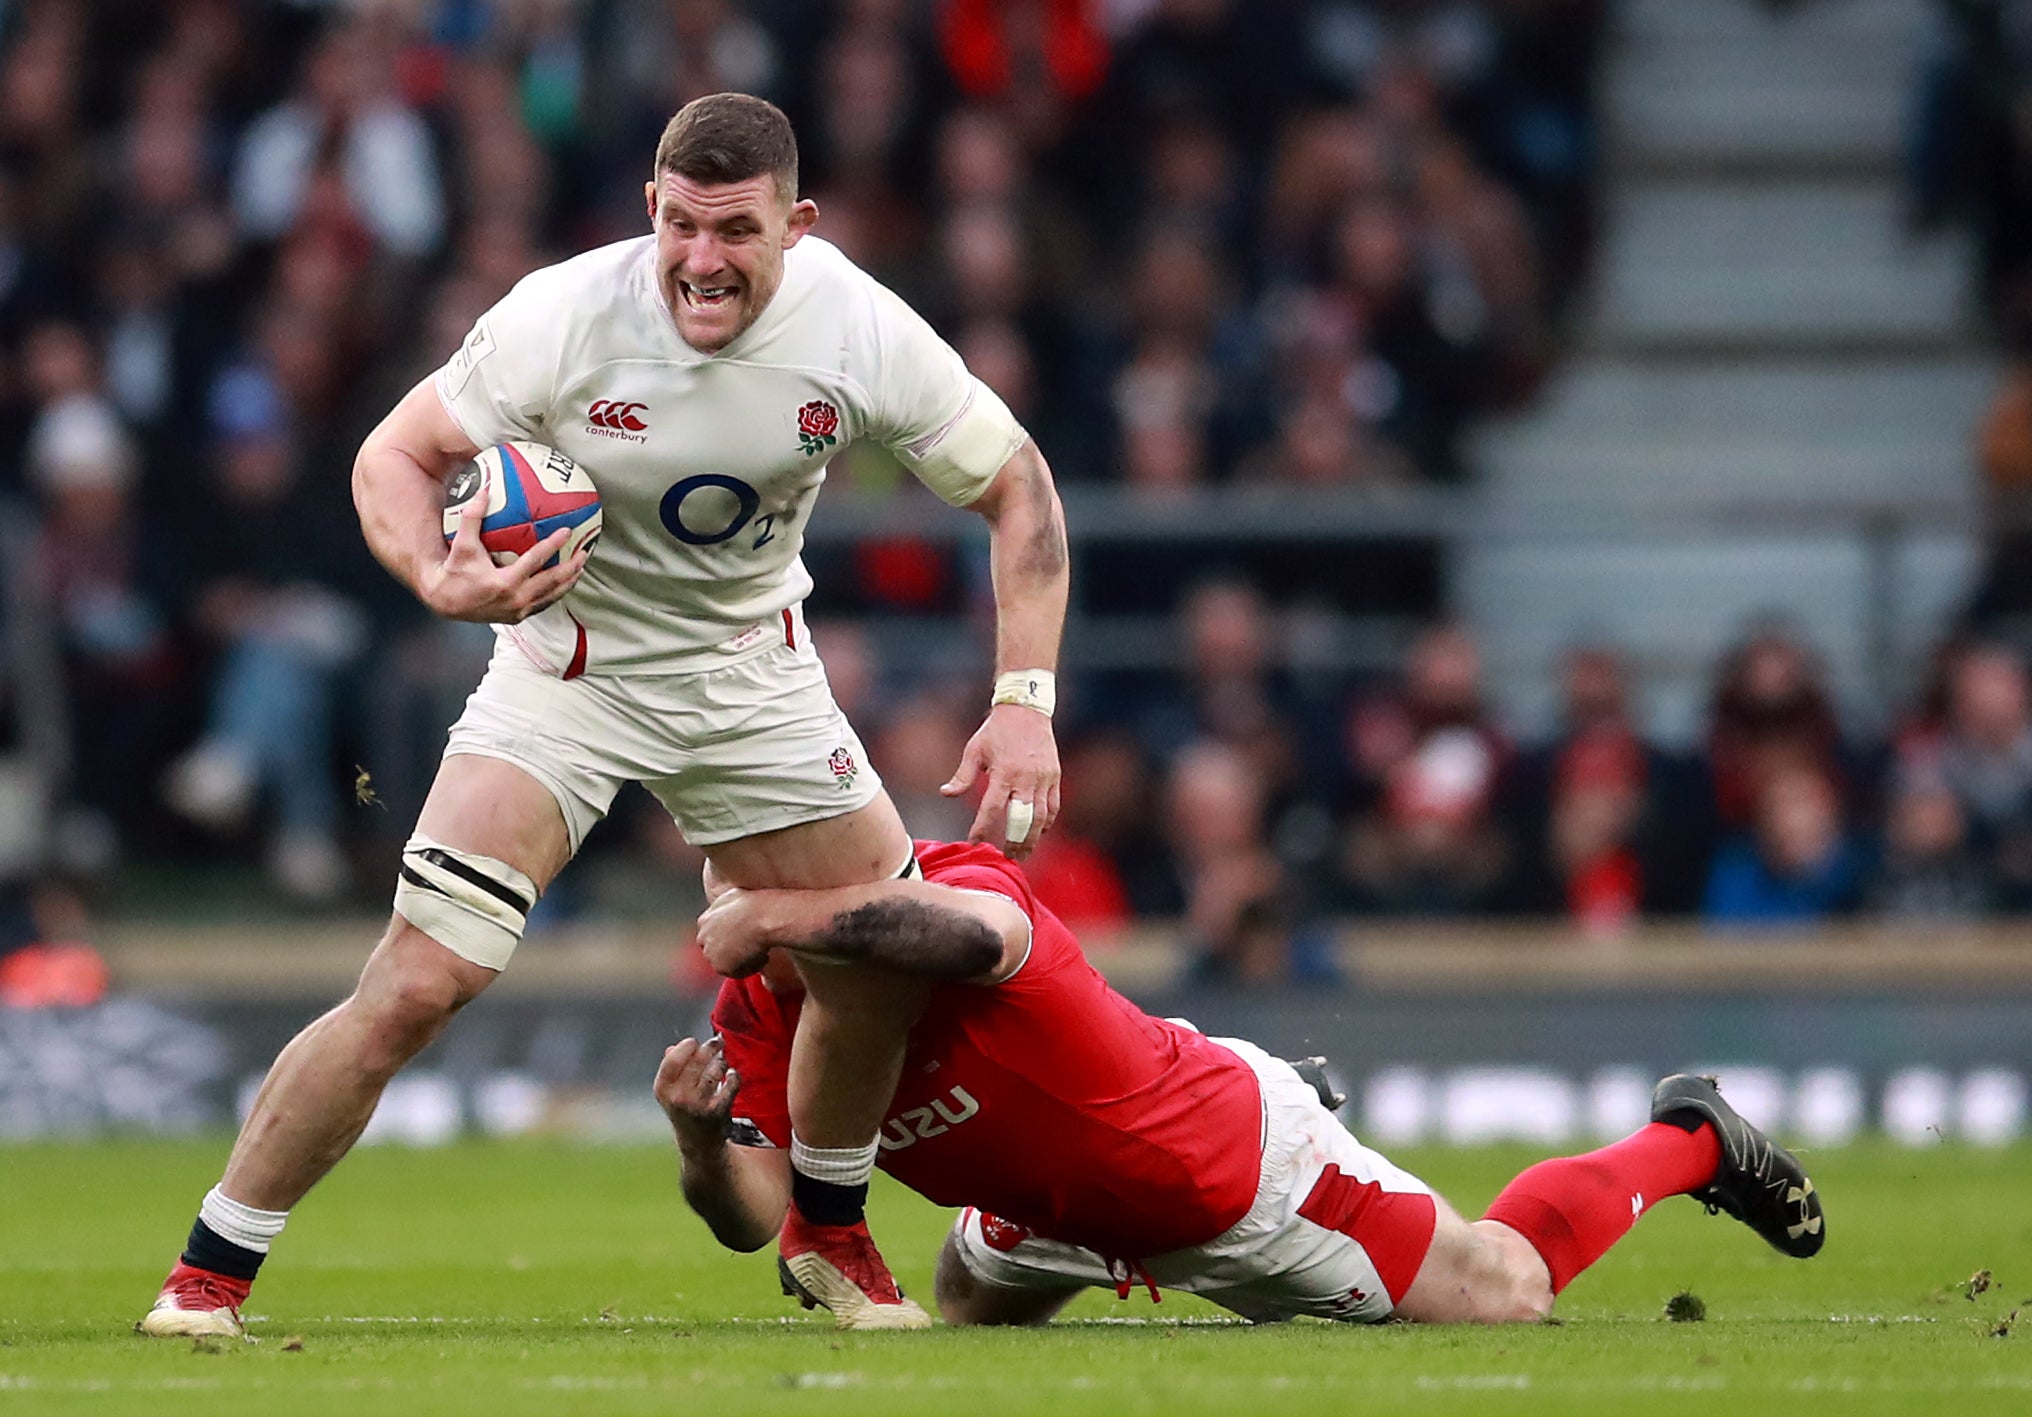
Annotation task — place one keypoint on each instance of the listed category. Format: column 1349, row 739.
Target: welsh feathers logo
column 1002, row 1235
column 818, row 427
column 844, row 770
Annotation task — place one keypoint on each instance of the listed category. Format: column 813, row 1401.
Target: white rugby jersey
column 708, row 464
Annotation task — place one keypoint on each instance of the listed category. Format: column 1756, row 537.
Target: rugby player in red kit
column 1087, row 1143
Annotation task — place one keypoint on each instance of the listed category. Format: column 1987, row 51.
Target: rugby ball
column 529, row 492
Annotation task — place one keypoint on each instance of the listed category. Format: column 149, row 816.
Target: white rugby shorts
column 731, row 751
column 1337, row 1231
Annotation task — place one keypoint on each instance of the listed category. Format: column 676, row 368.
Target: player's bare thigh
column 491, row 807
column 866, row 844
column 1483, row 1272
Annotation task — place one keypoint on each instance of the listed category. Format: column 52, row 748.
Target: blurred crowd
column 1971, row 168
column 1290, row 242
column 1254, row 805
column 1287, row 243
column 1970, row 151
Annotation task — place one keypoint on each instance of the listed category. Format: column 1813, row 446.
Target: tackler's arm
column 914, row 927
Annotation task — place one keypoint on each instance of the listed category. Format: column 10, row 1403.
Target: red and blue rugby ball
column 529, row 492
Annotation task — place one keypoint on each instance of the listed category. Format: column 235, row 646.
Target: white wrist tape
column 1031, row 688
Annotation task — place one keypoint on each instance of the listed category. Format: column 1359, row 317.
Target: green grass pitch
column 508, row 1279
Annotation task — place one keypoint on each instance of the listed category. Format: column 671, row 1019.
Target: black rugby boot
column 1313, row 1071
column 1758, row 1182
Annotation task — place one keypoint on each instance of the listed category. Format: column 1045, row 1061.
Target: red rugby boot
column 838, row 1266
column 197, row 1303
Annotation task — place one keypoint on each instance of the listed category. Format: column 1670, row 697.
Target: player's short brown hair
column 730, row 137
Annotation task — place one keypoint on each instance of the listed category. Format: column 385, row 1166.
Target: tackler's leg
column 1560, row 1216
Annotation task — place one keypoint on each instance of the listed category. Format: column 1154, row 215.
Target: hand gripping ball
column 529, row 492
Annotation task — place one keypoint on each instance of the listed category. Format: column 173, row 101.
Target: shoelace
column 869, row 1265
column 210, row 1291
column 1133, row 1273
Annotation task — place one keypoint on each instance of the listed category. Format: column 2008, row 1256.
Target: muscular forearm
column 1030, row 563
column 912, row 927
column 731, row 1193
column 913, row 937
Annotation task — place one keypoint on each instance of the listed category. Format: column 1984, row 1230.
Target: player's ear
column 803, row 216
column 649, row 197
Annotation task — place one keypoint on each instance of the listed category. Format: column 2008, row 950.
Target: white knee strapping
column 474, row 906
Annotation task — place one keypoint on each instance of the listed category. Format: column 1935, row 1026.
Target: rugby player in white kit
column 704, row 374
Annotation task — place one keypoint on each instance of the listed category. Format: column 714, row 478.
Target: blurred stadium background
column 1552, row 586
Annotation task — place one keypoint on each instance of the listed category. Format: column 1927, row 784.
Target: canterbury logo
column 922, row 1123
column 613, row 413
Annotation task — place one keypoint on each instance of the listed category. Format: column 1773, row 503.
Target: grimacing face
column 719, row 251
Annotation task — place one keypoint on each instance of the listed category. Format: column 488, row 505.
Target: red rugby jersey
column 1049, row 1099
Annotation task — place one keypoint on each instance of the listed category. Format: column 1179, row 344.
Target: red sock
column 1573, row 1208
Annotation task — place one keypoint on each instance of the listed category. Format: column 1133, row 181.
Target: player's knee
column 1515, row 1286
column 953, row 1286
column 964, row 1299
column 1479, row 1274
column 1513, row 1297
column 977, row 1310
column 959, row 1294
column 404, row 1001
column 402, row 1016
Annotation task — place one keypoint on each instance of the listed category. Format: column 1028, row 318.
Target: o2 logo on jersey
column 709, row 520
column 924, row 1123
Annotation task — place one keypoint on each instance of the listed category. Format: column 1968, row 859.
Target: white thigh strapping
column 473, row 905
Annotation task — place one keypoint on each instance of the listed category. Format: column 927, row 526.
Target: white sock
column 243, row 1225
column 840, row 1165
